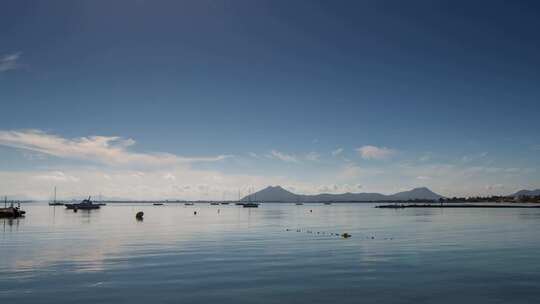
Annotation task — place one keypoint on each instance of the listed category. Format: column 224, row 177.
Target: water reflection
column 7, row 223
column 242, row 255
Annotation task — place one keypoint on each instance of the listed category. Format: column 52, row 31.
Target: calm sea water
column 242, row 255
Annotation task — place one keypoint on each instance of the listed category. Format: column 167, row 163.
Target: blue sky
column 190, row 99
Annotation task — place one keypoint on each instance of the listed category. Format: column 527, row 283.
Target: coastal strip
column 402, row 206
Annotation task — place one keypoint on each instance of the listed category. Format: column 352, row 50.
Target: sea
column 277, row 253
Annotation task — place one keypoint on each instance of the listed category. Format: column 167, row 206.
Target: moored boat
column 86, row 204
column 250, row 205
column 11, row 211
column 55, row 202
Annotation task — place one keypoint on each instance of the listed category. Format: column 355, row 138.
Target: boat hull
column 11, row 212
column 82, row 206
column 251, row 205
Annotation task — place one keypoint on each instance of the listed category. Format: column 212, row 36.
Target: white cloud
column 56, row 176
column 337, row 151
column 34, row 156
column 9, row 62
column 473, row 157
column 123, row 183
column 373, row 152
column 349, row 171
column 283, row 156
column 313, row 156
column 169, row 176
column 110, row 150
column 495, row 187
column 426, row 157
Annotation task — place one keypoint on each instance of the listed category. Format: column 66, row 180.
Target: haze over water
column 244, row 255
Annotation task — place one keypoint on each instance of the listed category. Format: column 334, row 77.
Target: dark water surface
column 247, row 255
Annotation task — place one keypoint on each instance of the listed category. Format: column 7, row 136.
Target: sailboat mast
column 55, row 194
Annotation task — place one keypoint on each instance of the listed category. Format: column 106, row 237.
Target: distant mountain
column 272, row 194
column 527, row 193
column 278, row 194
column 416, row 193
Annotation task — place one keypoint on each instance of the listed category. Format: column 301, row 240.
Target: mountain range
column 527, row 193
column 278, row 194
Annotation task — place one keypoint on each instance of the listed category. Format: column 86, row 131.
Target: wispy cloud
column 313, row 156
column 337, row 151
column 426, row 157
column 9, row 62
column 283, row 156
column 495, row 187
column 472, row 157
column 56, row 176
column 373, row 152
column 110, row 150
column 169, row 176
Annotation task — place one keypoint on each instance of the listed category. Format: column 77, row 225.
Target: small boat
column 54, row 202
column 327, row 203
column 11, row 211
column 250, row 205
column 189, row 204
column 157, row 204
column 239, row 204
column 86, row 204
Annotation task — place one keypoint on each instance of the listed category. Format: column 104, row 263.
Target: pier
column 402, row 206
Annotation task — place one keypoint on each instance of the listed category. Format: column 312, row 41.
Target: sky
column 205, row 99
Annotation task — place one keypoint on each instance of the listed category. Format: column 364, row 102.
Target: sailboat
column 250, row 204
column 54, row 202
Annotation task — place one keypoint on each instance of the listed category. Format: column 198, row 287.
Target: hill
column 278, row 194
column 527, row 193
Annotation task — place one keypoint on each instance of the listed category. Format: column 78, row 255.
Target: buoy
column 194, row 212
column 75, row 210
column 139, row 215
column 346, row 235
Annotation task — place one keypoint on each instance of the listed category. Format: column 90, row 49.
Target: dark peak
column 417, row 193
column 421, row 189
column 275, row 188
column 526, row 192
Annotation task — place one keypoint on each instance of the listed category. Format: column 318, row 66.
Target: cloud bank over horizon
column 109, row 166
